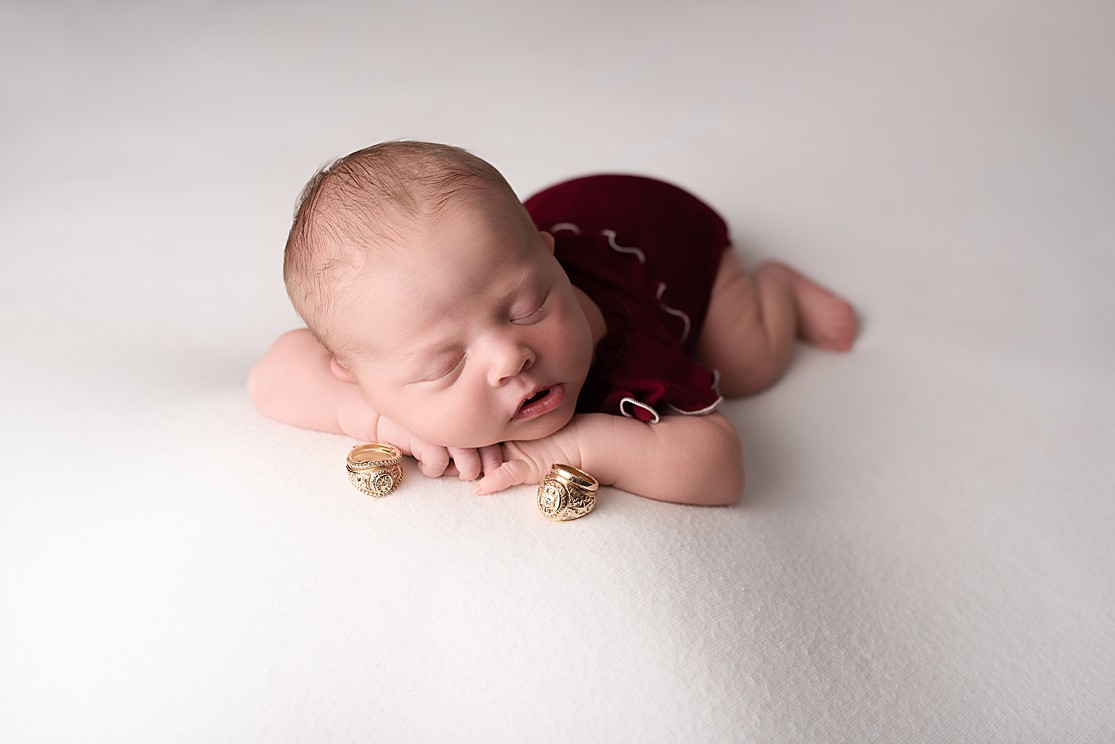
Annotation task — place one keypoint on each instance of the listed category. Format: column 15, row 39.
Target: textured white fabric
column 925, row 549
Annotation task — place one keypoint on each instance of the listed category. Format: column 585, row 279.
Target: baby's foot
column 825, row 319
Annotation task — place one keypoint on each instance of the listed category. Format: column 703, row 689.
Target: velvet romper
column 647, row 253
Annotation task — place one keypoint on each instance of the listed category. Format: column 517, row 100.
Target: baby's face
column 470, row 331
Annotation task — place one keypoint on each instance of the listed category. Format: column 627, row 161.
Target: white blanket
column 924, row 551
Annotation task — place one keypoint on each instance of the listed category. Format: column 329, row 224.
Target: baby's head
column 420, row 271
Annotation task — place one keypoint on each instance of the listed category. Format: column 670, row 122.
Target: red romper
column 647, row 253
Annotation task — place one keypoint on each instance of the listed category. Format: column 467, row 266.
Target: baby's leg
column 754, row 319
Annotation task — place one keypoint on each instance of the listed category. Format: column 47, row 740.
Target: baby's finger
column 508, row 474
column 467, row 462
column 491, row 457
column 432, row 461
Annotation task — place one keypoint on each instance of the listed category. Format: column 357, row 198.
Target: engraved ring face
column 376, row 482
column 383, row 483
column 566, row 493
column 551, row 498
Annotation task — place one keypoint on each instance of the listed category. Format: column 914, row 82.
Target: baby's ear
column 340, row 372
column 548, row 240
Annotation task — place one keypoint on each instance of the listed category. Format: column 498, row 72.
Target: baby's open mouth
column 537, row 396
column 543, row 401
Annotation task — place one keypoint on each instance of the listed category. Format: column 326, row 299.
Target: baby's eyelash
column 438, row 374
column 536, row 310
column 452, row 369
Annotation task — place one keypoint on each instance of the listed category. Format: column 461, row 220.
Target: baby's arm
column 684, row 459
column 293, row 383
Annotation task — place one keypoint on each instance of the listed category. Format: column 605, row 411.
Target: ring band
column 375, row 469
column 566, row 493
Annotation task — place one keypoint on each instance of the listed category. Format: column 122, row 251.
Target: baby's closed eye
column 442, row 368
column 531, row 312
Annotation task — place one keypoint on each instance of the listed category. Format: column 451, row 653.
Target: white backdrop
column 925, row 549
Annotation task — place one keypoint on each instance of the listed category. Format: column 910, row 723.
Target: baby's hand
column 434, row 460
column 467, row 464
column 529, row 461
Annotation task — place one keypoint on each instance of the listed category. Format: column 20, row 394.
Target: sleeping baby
column 596, row 325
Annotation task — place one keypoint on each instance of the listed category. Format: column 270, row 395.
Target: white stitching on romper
column 631, row 250
column 676, row 313
column 611, row 236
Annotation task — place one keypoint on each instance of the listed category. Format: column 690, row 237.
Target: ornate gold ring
column 566, row 493
column 375, row 469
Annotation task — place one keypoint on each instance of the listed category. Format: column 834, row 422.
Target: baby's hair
column 363, row 202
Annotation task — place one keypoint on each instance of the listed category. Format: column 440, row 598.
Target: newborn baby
column 596, row 326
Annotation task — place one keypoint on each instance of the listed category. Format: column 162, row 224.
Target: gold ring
column 375, row 469
column 566, row 493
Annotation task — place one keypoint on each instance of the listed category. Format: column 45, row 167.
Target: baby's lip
column 554, row 394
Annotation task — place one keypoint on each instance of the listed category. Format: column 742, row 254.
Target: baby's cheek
column 454, row 424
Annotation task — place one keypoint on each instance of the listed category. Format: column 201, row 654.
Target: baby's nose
column 514, row 360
